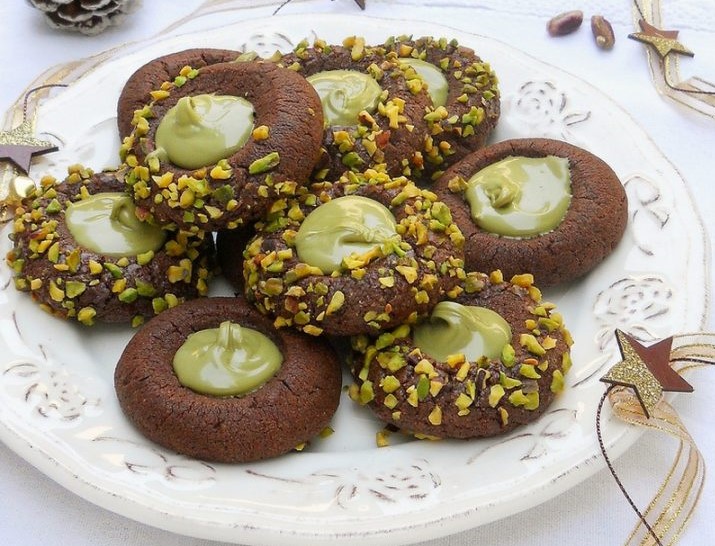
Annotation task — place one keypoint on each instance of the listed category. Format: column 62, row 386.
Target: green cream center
column 344, row 94
column 437, row 85
column 520, row 196
column 462, row 329
column 106, row 223
column 200, row 130
column 226, row 361
column 350, row 225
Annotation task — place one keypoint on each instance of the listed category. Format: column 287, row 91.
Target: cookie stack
column 352, row 196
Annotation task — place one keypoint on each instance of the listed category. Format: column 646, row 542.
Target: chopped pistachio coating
column 373, row 106
column 475, row 395
column 73, row 279
column 465, row 106
column 401, row 264
column 215, row 147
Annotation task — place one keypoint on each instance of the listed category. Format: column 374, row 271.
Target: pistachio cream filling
column 230, row 360
column 106, row 223
column 202, row 129
column 462, row 329
column 520, row 196
column 342, row 227
column 437, row 85
column 344, row 94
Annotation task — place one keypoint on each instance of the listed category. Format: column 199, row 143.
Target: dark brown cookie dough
column 398, row 284
column 461, row 399
column 472, row 107
column 591, row 229
column 136, row 92
column 291, row 408
column 281, row 152
column 76, row 283
column 392, row 135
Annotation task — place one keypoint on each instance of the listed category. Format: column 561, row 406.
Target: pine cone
column 86, row 16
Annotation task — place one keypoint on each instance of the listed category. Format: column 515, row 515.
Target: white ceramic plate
column 57, row 404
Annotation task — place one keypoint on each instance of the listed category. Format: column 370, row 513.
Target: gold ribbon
column 671, row 508
column 695, row 92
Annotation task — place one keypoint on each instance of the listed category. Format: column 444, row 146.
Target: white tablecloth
column 36, row 511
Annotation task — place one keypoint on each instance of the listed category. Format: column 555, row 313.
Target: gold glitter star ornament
column 646, row 370
column 19, row 145
column 663, row 41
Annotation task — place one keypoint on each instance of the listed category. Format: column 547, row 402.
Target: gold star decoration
column 19, row 145
column 663, row 41
column 646, row 370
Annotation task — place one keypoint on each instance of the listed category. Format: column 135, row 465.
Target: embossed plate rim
column 441, row 512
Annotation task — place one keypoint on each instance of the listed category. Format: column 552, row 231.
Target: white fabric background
column 36, row 511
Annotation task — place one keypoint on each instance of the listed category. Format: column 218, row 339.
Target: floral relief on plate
column 412, row 481
column 542, row 108
column 48, row 388
column 150, row 461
